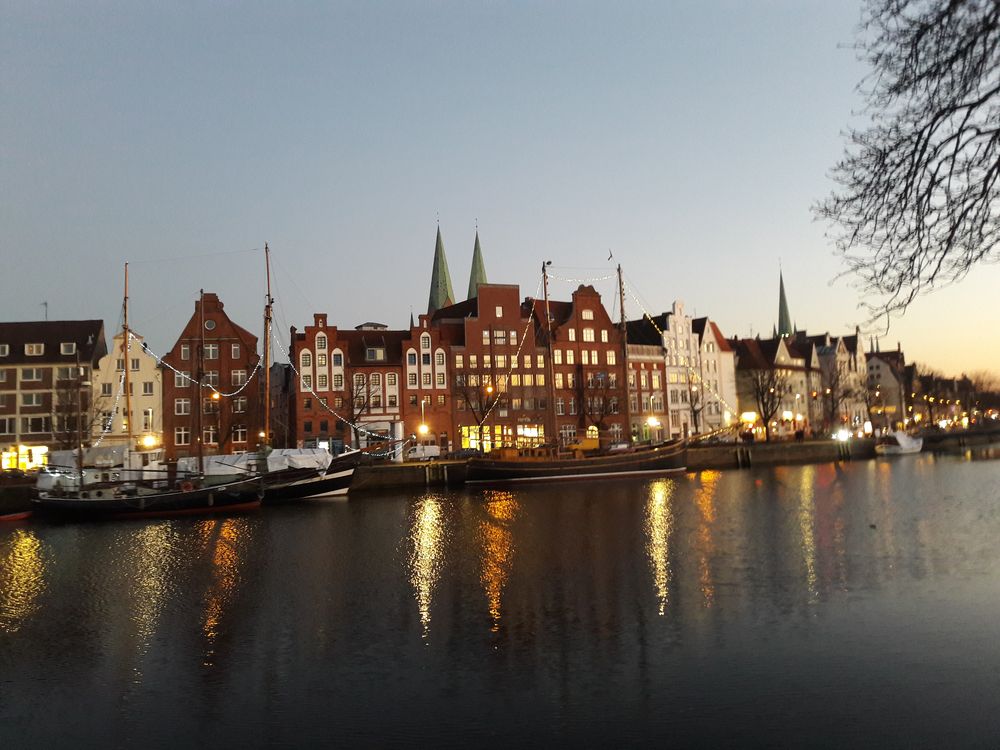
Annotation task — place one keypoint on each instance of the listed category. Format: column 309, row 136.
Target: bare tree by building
column 598, row 401
column 479, row 394
column 767, row 386
column 75, row 411
column 836, row 393
column 919, row 197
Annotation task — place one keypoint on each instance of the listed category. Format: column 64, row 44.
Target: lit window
column 390, row 380
column 588, row 315
column 604, row 336
column 321, row 342
column 305, row 360
column 572, row 334
column 182, row 435
column 588, row 334
column 182, row 406
column 425, row 342
column 499, row 311
column 34, row 350
column 612, row 358
column 239, row 433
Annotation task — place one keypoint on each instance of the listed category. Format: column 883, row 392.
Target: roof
column 87, row 335
column 644, row 332
column 441, row 294
column 477, row 275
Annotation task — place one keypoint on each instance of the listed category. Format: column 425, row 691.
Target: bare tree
column 357, row 403
column 919, row 197
column 598, row 400
column 836, row 392
column 768, row 386
column 75, row 412
column 480, row 394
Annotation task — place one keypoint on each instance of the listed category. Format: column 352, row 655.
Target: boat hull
column 234, row 497
column 334, row 482
column 660, row 460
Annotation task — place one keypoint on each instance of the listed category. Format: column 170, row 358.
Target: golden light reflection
column 150, row 581
column 807, row 516
column 498, row 549
column 705, row 542
column 427, row 538
column 222, row 537
column 659, row 527
column 22, row 578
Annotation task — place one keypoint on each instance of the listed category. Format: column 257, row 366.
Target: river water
column 823, row 605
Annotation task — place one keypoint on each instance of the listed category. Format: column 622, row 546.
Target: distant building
column 146, row 397
column 45, row 393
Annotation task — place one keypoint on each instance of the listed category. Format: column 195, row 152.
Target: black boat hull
column 334, row 482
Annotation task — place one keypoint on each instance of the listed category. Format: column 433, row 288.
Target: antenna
column 46, row 306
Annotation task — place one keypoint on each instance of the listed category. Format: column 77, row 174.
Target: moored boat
column 333, row 481
column 545, row 466
column 898, row 444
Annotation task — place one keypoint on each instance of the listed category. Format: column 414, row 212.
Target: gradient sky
column 691, row 138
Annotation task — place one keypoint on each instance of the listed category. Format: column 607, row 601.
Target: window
column 426, row 379
column 182, row 436
column 239, row 405
column 557, row 356
column 67, row 347
column 425, row 342
column 513, row 338
column 338, row 359
column 499, row 311
column 392, row 400
column 239, row 433
column 359, row 382
column 572, row 334
column 439, row 359
column 587, row 315
column 182, row 406
column 321, row 360
column 486, row 336
column 375, row 354
column 561, row 407
column 181, row 379
column 120, row 365
column 527, row 361
column 147, row 388
column 106, row 389
column 211, row 377
column 64, row 373
column 324, row 426
column 307, row 382
column 147, row 420
column 305, row 360
column 411, row 380
column 390, row 379
column 34, row 350
column 135, row 364
column 234, row 351
column 238, row 377
column 4, row 350
column 459, row 361
column 570, row 357
column 31, row 399
column 529, row 379
column 338, row 382
column 540, row 364
column 307, row 426
column 644, row 380
column 440, row 379
column 31, row 374
column 559, row 380
column 307, row 403
column 338, row 402
column 36, row 425
column 210, row 435
column 501, row 361
column 211, row 351
column 655, row 378
column 411, row 359
column 7, row 425
column 425, row 360
column 604, row 336
column 376, row 380
column 3, row 376
column 185, row 352
column 440, row 400
column 376, row 401
column 585, row 357
column 321, row 342
column 588, row 334
column 612, row 358
column 473, row 363
column 321, row 382
column 572, row 406
column 487, row 362
column 413, row 400
column 499, row 337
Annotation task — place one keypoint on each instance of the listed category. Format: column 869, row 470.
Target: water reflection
column 704, row 541
column 22, row 578
column 807, row 518
column 497, row 543
column 427, row 538
column 221, row 538
column 659, row 527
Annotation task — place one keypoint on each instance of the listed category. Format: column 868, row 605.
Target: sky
column 688, row 139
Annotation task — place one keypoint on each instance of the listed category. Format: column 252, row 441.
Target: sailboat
column 540, row 464
column 121, row 486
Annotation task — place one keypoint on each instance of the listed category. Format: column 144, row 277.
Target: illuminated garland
column 582, row 281
column 114, row 407
column 160, row 361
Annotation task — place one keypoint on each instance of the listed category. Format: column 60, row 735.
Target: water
column 823, row 605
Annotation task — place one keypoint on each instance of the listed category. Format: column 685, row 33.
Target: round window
column 209, row 325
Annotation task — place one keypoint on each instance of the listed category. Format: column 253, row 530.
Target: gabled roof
column 468, row 308
column 643, row 332
column 87, row 335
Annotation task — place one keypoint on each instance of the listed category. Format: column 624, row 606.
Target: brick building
column 215, row 372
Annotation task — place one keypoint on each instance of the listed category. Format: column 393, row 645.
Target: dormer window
column 375, row 354
column 4, row 350
column 67, row 347
column 34, row 350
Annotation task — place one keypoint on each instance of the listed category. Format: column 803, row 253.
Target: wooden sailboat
column 549, row 464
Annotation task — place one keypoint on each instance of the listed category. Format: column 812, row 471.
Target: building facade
column 146, row 396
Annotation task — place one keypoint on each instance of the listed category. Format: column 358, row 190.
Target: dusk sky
column 689, row 138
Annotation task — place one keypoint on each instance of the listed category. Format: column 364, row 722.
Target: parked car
column 423, row 453
column 465, row 453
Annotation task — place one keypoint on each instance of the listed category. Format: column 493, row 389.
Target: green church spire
column 784, row 319
column 478, row 274
column 441, row 294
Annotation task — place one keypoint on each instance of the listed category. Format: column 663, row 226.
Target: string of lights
column 160, row 361
column 107, row 423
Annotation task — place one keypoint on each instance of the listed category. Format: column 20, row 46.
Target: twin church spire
column 441, row 292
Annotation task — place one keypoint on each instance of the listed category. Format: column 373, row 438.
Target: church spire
column 441, row 294
column 784, row 319
column 478, row 274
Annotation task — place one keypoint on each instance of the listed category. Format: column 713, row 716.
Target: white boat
column 897, row 444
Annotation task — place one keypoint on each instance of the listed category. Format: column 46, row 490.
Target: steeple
column 441, row 294
column 784, row 319
column 478, row 274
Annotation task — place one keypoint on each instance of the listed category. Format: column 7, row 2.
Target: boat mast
column 126, row 346
column 201, row 375
column 267, row 349
column 551, row 411
column 624, row 332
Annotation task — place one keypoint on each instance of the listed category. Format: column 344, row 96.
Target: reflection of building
column 146, row 395
column 45, row 401
column 220, row 355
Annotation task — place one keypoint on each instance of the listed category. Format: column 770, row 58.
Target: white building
column 146, row 395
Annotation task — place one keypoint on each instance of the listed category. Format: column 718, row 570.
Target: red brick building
column 222, row 356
